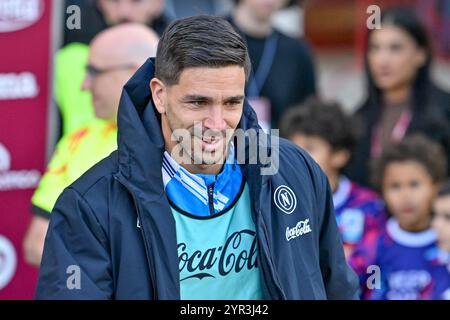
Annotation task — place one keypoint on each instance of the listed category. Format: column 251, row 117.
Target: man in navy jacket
column 164, row 217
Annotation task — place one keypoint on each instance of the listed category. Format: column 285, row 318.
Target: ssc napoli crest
column 285, row 199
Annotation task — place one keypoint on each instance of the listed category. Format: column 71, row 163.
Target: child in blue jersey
column 405, row 252
column 441, row 224
column 329, row 136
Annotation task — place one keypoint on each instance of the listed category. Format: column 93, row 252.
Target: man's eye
column 233, row 104
column 198, row 103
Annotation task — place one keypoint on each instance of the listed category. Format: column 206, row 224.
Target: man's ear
column 159, row 94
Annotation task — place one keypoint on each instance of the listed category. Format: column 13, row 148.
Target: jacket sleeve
column 76, row 263
column 341, row 283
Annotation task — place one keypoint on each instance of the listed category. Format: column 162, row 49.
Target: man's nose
column 215, row 119
column 87, row 83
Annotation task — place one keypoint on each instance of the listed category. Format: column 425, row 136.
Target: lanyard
column 397, row 134
column 258, row 78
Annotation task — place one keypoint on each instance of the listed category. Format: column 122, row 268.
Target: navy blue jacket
column 94, row 225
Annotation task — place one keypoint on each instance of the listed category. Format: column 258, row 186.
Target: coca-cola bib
column 217, row 254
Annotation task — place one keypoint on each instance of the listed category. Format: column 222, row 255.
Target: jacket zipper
column 146, row 246
column 271, row 264
column 268, row 256
column 211, row 199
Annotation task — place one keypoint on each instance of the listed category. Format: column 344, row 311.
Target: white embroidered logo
column 8, row 261
column 300, row 229
column 285, row 199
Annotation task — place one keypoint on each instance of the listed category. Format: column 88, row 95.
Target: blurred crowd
column 387, row 162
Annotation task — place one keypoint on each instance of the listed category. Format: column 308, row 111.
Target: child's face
column 441, row 221
column 409, row 190
column 321, row 151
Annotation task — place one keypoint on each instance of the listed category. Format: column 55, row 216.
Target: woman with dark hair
column 401, row 96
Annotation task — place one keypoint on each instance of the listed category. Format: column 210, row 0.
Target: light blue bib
column 217, row 254
column 202, row 194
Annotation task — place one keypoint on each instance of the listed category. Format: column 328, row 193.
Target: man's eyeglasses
column 94, row 71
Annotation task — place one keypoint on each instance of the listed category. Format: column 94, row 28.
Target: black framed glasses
column 93, row 71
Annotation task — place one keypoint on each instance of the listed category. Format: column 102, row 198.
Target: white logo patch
column 15, row 179
column 19, row 14
column 8, row 261
column 301, row 228
column 351, row 224
column 5, row 158
column 285, row 199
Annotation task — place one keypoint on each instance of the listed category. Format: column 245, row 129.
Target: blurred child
column 329, row 136
column 409, row 175
column 441, row 225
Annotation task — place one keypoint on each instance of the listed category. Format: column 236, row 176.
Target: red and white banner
column 25, row 74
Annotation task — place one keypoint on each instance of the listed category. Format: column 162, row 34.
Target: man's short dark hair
column 415, row 148
column 199, row 41
column 325, row 120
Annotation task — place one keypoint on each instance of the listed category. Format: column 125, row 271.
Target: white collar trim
column 409, row 239
column 342, row 192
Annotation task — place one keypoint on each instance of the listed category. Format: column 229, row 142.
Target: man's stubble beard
column 192, row 152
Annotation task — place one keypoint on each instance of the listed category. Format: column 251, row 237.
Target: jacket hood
column 140, row 139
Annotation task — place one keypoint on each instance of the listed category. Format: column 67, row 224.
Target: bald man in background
column 115, row 54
